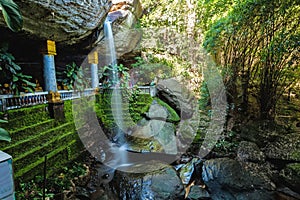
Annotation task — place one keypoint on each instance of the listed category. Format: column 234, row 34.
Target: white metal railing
column 143, row 89
column 8, row 102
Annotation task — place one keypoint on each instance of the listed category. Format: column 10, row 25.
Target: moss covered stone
column 35, row 135
column 172, row 115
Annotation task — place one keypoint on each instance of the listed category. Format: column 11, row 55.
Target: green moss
column 173, row 116
column 19, row 113
column 34, row 129
column 136, row 105
column 294, row 168
column 17, row 148
column 295, row 155
column 55, row 161
column 28, row 117
column 39, row 152
column 35, row 134
column 68, row 110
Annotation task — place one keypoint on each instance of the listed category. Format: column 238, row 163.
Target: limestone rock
column 285, row 148
column 152, row 180
column 197, row 193
column 248, row 151
column 154, row 133
column 178, row 97
column 227, row 179
column 291, row 175
column 72, row 22
column 126, row 35
column 62, row 20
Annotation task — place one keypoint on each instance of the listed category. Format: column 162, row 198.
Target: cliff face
column 70, row 22
column 66, row 21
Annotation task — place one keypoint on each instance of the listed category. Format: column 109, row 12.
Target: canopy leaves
column 11, row 14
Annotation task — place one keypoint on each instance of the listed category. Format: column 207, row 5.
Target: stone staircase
column 35, row 135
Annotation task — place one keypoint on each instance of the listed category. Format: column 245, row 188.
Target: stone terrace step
column 22, row 146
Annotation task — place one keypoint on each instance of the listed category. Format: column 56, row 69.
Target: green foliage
column 204, row 96
column 4, row 135
column 11, row 73
column 56, row 184
column 32, row 190
column 258, row 41
column 173, row 116
column 72, row 77
column 115, row 75
column 11, row 14
column 139, row 61
column 227, row 143
column 150, row 68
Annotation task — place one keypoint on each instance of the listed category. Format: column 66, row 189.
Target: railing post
column 152, row 91
column 2, row 104
column 93, row 61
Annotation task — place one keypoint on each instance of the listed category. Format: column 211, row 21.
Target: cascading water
column 116, row 99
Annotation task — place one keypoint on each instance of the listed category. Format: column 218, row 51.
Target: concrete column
column 94, row 75
column 93, row 61
column 49, row 73
column 55, row 104
column 49, row 66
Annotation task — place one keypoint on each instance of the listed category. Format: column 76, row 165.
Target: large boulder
column 249, row 151
column 123, row 18
column 64, row 21
column 150, row 180
column 228, row 179
column 71, row 22
column 156, row 130
column 286, row 148
column 178, row 97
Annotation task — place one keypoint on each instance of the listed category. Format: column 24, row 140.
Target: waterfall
column 116, row 99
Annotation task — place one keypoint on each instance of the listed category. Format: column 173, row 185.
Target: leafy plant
column 4, row 135
column 11, row 14
column 115, row 75
column 11, row 73
column 72, row 77
column 227, row 143
column 32, row 190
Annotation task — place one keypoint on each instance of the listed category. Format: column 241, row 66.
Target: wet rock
column 178, row 97
column 261, row 133
column 286, row 194
column 158, row 136
column 249, row 151
column 82, row 193
column 186, row 171
column 286, row 148
column 149, row 180
column 126, row 35
column 291, row 176
column 227, row 179
column 198, row 193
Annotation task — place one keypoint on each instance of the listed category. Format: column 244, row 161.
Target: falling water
column 116, row 99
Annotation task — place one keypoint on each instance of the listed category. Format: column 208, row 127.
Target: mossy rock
column 172, row 114
column 295, row 155
column 291, row 175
